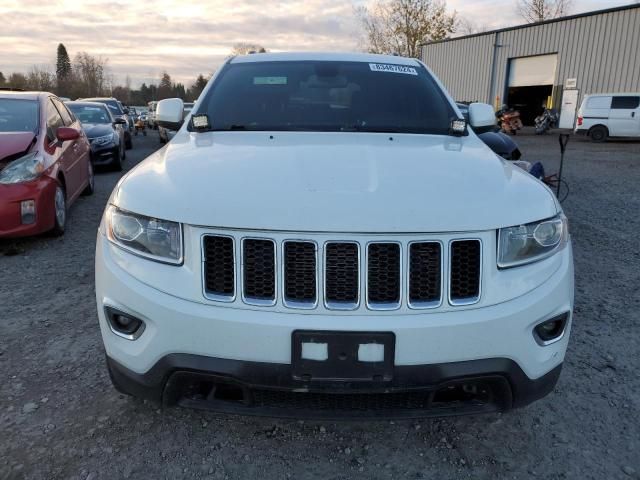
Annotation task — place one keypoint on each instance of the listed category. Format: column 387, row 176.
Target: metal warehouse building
column 551, row 63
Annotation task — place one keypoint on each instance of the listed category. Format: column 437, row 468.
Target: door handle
column 633, row 114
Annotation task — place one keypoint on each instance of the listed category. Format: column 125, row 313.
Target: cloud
column 186, row 38
column 142, row 39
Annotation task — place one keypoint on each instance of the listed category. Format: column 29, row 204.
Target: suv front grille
column 300, row 272
column 425, row 267
column 305, row 273
column 342, row 271
column 259, row 270
column 383, row 274
column 219, row 266
column 465, row 271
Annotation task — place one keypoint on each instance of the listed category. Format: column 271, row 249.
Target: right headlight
column 531, row 242
column 155, row 239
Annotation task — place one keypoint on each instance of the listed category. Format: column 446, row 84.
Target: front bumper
column 42, row 190
column 265, row 389
column 104, row 154
column 490, row 347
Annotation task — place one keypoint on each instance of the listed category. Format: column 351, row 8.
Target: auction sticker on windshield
column 385, row 67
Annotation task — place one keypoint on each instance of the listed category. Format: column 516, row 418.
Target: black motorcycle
column 546, row 121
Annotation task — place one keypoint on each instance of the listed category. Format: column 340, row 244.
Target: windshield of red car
column 18, row 115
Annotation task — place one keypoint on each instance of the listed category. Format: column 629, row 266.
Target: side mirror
column 119, row 121
column 126, row 111
column 169, row 113
column 481, row 115
column 64, row 134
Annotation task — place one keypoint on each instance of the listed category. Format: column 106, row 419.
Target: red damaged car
column 44, row 163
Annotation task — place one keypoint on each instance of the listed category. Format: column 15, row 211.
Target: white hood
column 333, row 182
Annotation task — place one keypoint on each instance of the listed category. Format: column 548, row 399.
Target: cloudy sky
column 186, row 37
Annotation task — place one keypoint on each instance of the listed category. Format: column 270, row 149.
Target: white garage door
column 530, row 71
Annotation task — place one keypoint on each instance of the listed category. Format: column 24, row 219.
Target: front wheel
column 60, row 211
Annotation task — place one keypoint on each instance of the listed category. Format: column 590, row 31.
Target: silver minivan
column 604, row 115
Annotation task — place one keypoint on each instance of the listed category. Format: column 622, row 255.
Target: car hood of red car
column 13, row 144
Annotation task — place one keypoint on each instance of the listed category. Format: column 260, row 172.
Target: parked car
column 166, row 134
column 604, row 115
column 151, row 115
column 44, row 163
column 118, row 111
column 326, row 237
column 105, row 133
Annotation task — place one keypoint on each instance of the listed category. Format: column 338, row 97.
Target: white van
column 604, row 115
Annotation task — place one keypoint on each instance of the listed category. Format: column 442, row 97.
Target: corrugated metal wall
column 601, row 51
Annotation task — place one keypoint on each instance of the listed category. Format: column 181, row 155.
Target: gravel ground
column 60, row 417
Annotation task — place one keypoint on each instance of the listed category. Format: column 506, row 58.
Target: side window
column 67, row 117
column 54, row 120
column 627, row 103
column 599, row 102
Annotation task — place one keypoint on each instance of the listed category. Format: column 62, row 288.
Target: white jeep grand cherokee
column 325, row 237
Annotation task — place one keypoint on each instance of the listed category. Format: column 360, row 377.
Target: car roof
column 89, row 104
column 324, row 56
column 89, row 99
column 24, row 95
column 624, row 94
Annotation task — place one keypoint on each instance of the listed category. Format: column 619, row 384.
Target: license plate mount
column 342, row 356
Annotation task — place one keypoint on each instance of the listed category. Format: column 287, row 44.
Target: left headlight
column 23, row 169
column 531, row 242
column 152, row 238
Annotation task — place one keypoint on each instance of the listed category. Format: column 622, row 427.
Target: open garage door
column 530, row 84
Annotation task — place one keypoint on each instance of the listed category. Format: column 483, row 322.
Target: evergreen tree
column 2, row 80
column 63, row 63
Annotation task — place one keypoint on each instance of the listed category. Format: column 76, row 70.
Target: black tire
column 598, row 134
column 89, row 189
column 59, row 211
column 116, row 163
column 128, row 144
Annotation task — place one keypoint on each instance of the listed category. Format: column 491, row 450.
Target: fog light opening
column 124, row 325
column 28, row 212
column 551, row 330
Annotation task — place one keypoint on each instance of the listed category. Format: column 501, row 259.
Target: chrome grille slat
column 304, row 273
column 342, row 275
column 219, row 267
column 259, row 271
column 300, row 275
column 465, row 267
column 425, row 274
column 384, row 264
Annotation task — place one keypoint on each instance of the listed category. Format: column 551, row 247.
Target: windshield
column 327, row 96
column 90, row 113
column 113, row 106
column 18, row 115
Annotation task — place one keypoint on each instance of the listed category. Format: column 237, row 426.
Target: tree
column 90, row 75
column 401, row 26
column 40, row 79
column 165, row 88
column 2, row 80
column 63, row 69
column 539, row 10
column 465, row 26
column 196, row 89
column 243, row 48
column 18, row 80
